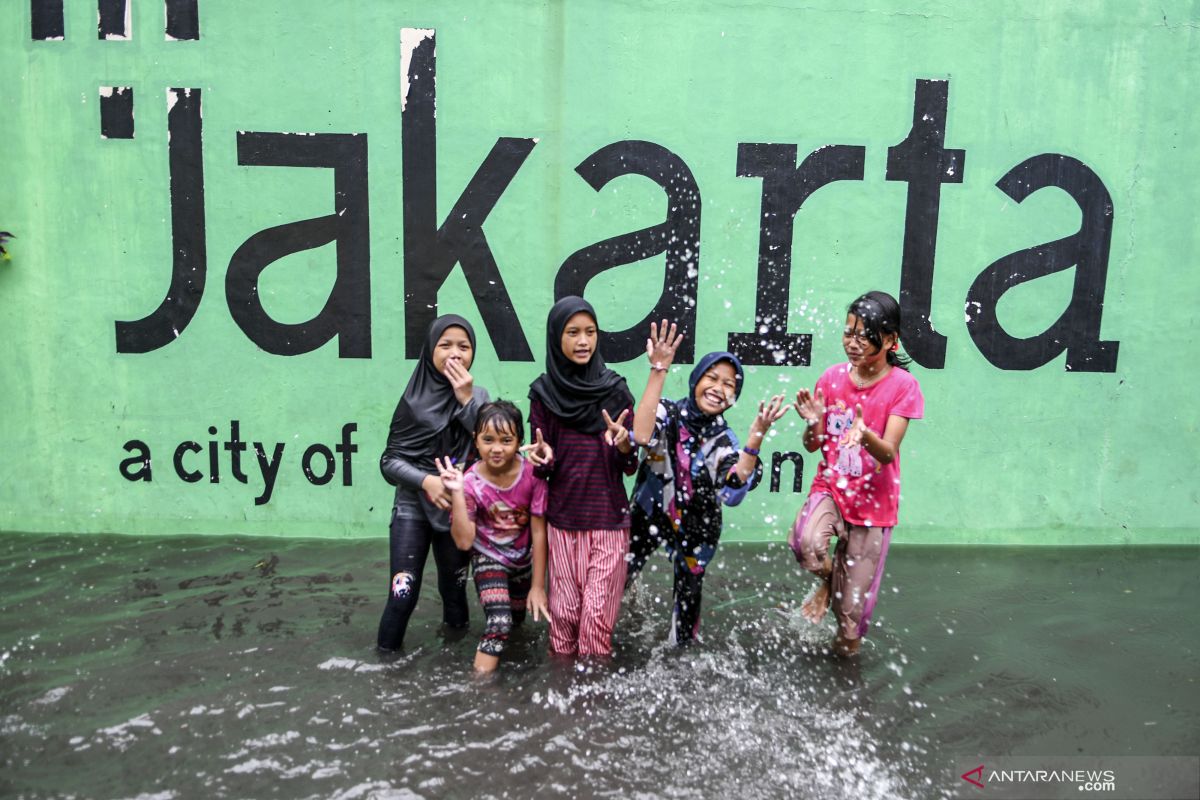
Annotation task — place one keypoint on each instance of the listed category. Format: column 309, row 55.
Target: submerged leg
column 685, row 618
column 604, row 584
column 491, row 581
column 453, row 565
column 857, row 575
column 409, row 547
column 567, row 566
column 645, row 536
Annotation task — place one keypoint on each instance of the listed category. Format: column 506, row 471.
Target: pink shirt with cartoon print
column 866, row 492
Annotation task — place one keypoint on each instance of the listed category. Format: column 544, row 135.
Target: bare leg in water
column 816, row 606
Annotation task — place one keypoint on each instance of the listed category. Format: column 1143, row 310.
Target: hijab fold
column 577, row 393
column 421, row 426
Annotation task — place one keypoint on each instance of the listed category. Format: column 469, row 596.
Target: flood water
column 183, row 667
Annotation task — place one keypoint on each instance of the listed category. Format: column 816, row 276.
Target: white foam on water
column 52, row 696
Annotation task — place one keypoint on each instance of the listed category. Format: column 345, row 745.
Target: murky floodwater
column 185, row 667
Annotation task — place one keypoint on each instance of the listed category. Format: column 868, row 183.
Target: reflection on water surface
column 182, row 667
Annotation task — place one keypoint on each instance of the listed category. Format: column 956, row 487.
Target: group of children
column 470, row 489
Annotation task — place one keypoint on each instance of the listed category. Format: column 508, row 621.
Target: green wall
column 1040, row 454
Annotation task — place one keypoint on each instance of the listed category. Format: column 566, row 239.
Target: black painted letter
column 347, row 311
column 678, row 237
column 190, row 260
column 922, row 162
column 140, row 459
column 785, row 188
column 430, row 252
column 1078, row 329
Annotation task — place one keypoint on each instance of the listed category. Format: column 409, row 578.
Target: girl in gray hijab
column 434, row 419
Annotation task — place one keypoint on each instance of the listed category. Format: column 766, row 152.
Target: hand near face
column 538, row 452
column 452, row 476
column 460, row 380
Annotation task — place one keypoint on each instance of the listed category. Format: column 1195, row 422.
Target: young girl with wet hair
column 435, row 417
column 580, row 406
column 498, row 512
column 692, row 466
column 857, row 416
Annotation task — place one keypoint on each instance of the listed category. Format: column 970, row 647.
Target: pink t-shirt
column 501, row 516
column 866, row 492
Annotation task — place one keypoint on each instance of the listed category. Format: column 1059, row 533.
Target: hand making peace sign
column 617, row 434
column 538, row 452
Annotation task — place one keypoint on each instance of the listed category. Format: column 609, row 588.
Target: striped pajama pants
column 587, row 579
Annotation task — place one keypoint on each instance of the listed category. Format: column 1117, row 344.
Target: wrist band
column 657, row 368
column 750, row 451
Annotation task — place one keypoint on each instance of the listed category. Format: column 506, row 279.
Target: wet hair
column 880, row 314
column 501, row 415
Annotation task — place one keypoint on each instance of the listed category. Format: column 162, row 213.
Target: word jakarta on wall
column 432, row 250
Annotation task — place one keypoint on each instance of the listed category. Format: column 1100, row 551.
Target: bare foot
column 846, row 647
column 814, row 607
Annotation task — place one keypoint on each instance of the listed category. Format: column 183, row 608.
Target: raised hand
column 452, row 476
column 809, row 406
column 617, row 433
column 662, row 344
column 770, row 412
column 460, row 380
column 538, row 452
column 854, row 435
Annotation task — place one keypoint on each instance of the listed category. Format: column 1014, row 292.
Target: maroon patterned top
column 587, row 491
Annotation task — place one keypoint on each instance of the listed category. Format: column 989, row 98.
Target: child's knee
column 805, row 544
column 404, row 586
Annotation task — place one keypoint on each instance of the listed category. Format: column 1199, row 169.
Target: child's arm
column 885, row 449
column 537, row 602
column 812, row 408
column 768, row 414
column 660, row 349
column 462, row 525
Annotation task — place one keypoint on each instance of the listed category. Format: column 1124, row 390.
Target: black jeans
column 411, row 538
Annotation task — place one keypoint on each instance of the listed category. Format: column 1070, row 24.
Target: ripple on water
column 245, row 669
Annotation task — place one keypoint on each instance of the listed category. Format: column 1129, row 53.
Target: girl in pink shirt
column 857, row 416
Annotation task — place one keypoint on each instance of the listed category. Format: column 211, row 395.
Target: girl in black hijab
column 581, row 408
column 435, row 418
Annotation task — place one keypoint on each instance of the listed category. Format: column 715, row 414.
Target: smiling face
column 859, row 349
column 716, row 388
column 579, row 338
column 497, row 445
column 454, row 345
